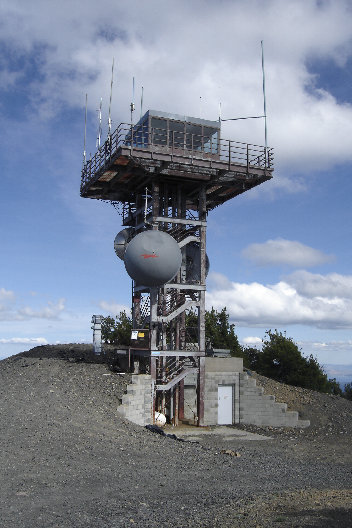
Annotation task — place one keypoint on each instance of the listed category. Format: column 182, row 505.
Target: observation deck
column 174, row 149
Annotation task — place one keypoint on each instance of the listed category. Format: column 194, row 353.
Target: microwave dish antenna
column 192, row 261
column 152, row 258
column 121, row 242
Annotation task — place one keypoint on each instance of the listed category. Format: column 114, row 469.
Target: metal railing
column 172, row 367
column 179, row 145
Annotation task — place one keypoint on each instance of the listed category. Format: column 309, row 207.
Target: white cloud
column 10, row 310
column 114, row 308
column 252, row 341
column 307, row 126
column 311, row 285
column 52, row 311
column 279, row 304
column 285, row 252
column 7, row 300
column 24, row 340
column 333, row 355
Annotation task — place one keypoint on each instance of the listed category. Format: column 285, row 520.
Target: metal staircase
column 172, row 370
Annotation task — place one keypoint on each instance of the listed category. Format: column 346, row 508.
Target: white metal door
column 225, row 404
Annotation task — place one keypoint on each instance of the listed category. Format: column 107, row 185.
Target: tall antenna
column 146, row 205
column 99, row 124
column 85, row 133
column 141, row 103
column 219, row 111
column 263, row 70
column 112, row 80
column 132, row 104
column 255, row 117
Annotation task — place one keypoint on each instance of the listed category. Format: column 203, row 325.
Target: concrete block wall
column 256, row 408
column 251, row 405
column 212, row 381
column 220, row 371
column 190, row 397
column 137, row 401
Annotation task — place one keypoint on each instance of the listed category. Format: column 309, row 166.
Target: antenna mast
column 146, row 206
column 265, row 125
column 141, row 103
column 112, row 80
column 99, row 125
column 85, row 133
column 132, row 104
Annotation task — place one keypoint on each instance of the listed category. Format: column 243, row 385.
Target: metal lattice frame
column 168, row 182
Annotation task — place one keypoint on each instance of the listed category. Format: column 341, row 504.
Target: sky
column 280, row 254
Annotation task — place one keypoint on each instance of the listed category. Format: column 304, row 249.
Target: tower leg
column 153, row 375
column 181, row 400
column 200, row 393
column 153, row 316
column 176, row 399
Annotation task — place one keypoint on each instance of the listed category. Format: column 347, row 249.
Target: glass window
column 210, row 140
column 194, row 139
column 176, row 134
column 159, row 127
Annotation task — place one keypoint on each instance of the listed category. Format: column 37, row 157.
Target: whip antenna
column 85, row 133
column 264, row 98
column 132, row 104
column 99, row 124
column 145, row 205
column 141, row 103
column 112, row 80
column 255, row 117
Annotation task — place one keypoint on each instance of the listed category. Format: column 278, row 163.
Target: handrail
column 172, row 368
column 175, row 143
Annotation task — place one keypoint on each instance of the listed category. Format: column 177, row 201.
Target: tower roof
column 179, row 117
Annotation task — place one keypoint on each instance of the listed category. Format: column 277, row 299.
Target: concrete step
column 252, row 390
column 136, row 390
column 303, row 423
column 141, row 379
column 258, row 408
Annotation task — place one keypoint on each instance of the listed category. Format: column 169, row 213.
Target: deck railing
column 178, row 144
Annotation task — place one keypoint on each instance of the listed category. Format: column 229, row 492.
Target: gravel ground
column 69, row 461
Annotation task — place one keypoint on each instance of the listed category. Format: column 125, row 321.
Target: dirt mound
column 68, row 459
column 328, row 414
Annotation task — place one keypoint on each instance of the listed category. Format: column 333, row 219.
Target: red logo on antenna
column 150, row 256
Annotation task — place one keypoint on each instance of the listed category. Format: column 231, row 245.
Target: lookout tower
column 166, row 173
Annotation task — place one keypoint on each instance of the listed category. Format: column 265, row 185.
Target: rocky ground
column 69, row 461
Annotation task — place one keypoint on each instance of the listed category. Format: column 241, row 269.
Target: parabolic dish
column 152, row 258
column 121, row 242
column 192, row 261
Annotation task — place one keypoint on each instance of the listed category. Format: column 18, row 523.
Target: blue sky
column 280, row 254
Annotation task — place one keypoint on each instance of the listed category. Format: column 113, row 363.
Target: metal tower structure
column 165, row 174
